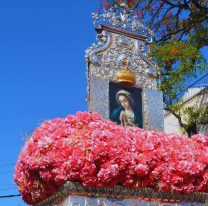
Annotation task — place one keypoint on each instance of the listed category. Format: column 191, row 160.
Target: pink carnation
column 90, row 150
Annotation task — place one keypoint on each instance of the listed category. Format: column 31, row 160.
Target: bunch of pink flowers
column 96, row 152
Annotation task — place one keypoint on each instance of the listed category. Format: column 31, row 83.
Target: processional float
column 122, row 87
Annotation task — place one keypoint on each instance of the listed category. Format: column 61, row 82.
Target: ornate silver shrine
column 126, row 37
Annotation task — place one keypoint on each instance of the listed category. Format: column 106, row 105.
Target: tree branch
column 197, row 5
column 177, row 116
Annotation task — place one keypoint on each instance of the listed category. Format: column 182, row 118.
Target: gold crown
column 125, row 75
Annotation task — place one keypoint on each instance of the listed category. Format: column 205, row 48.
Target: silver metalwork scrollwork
column 121, row 16
column 110, row 64
column 101, row 202
column 76, row 204
column 123, row 41
column 92, row 53
column 104, row 39
column 118, row 203
column 141, row 51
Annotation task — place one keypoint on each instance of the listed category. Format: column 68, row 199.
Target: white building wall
column 197, row 99
column 201, row 102
column 171, row 124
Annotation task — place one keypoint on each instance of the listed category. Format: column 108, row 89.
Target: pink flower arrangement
column 96, row 152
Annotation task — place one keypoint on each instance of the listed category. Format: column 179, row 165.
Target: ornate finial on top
column 122, row 17
column 126, row 75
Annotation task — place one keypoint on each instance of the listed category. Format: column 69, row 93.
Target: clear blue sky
column 42, row 71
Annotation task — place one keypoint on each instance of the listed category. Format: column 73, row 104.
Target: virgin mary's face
column 124, row 101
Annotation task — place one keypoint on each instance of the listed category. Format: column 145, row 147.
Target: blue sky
column 42, row 71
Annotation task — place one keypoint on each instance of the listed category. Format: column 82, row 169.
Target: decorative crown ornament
column 126, row 75
column 122, row 17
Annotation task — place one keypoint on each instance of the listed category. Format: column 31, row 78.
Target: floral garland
column 96, row 152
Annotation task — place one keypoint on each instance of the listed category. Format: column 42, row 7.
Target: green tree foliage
column 193, row 116
column 181, row 31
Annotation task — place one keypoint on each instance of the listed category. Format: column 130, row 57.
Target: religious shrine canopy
column 119, row 69
column 116, row 153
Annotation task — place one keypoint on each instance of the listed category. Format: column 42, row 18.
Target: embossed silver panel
column 152, row 103
column 153, row 110
column 99, row 100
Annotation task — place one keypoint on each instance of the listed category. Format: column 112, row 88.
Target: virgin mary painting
column 126, row 114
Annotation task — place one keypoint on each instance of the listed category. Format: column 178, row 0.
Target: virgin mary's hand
column 124, row 120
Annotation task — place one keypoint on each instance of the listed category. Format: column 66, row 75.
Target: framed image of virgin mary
column 125, row 105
